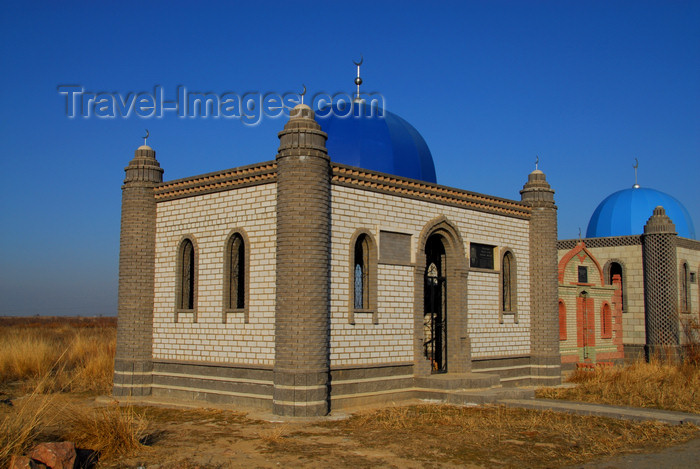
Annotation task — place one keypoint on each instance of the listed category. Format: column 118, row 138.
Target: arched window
column 562, row 320
column 508, row 283
column 235, row 288
column 363, row 276
column 187, row 276
column 605, row 322
column 684, row 281
column 361, row 273
column 616, row 269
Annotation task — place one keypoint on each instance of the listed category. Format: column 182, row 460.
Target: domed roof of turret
column 626, row 212
column 370, row 137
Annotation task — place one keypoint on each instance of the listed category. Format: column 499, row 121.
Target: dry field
column 52, row 370
column 641, row 384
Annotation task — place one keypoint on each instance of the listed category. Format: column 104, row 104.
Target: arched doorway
column 435, row 311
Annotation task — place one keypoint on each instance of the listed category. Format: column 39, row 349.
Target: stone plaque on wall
column 395, row 248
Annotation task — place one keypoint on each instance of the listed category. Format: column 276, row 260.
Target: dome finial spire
column 636, row 165
column 145, row 138
column 358, row 80
column 537, row 162
column 303, row 93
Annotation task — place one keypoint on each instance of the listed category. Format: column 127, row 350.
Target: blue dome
column 375, row 139
column 626, row 212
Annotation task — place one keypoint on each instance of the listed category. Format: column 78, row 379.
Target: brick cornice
column 252, row 175
column 350, row 176
column 612, row 241
column 342, row 175
column 688, row 243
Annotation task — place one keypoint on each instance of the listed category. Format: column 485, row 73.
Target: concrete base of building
column 521, row 371
column 349, row 387
column 634, row 352
column 132, row 377
column 663, row 353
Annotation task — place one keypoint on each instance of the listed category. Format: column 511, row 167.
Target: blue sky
column 586, row 85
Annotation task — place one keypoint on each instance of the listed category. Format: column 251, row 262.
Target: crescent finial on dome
column 358, row 80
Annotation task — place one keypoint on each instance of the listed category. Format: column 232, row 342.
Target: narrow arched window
column 605, row 322
column 187, row 276
column 508, row 282
column 685, row 290
column 361, row 273
column 236, row 273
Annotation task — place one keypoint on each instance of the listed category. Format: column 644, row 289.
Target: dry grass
column 655, row 385
column 20, row 429
column 56, row 354
column 274, row 435
column 110, row 431
column 500, row 436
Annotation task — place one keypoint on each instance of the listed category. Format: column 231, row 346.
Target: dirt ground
column 413, row 435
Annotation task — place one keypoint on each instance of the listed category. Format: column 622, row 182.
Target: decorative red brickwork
column 562, row 320
column 585, row 321
column 578, row 250
column 617, row 315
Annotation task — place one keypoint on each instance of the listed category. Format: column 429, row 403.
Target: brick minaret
column 133, row 361
column 302, row 327
column 660, row 283
column 544, row 316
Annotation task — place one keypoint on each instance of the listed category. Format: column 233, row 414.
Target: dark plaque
column 481, row 256
column 582, row 274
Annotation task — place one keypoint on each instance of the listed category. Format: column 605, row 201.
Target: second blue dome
column 373, row 138
column 626, row 212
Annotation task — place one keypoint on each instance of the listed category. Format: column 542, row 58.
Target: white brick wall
column 210, row 219
column 392, row 339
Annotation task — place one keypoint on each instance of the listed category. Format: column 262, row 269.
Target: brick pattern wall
column 354, row 208
column 660, row 280
column 136, row 271
column 630, row 255
column 544, row 331
column 302, row 368
column 207, row 335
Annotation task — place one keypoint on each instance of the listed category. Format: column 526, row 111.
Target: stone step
column 478, row 396
column 457, row 381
